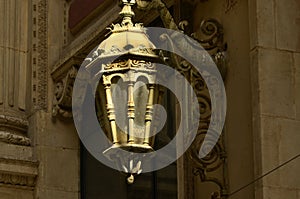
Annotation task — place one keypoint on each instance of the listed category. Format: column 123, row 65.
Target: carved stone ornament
column 14, row 139
column 40, row 54
column 18, row 173
column 13, row 130
column 62, row 102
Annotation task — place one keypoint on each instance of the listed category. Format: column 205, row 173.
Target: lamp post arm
column 162, row 9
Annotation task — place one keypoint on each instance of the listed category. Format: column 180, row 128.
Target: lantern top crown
column 127, row 12
column 126, row 38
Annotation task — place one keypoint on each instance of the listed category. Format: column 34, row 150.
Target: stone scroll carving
column 64, row 78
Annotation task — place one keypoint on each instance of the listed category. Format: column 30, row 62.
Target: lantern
column 127, row 92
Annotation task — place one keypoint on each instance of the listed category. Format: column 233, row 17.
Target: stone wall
column 262, row 85
column 275, row 47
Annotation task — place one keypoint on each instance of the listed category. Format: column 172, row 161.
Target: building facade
column 42, row 45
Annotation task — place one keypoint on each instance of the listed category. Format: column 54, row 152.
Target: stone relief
column 17, row 180
column 62, row 103
column 14, row 139
column 40, row 54
column 24, row 177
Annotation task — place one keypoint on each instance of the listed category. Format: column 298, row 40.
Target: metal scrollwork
column 211, row 168
column 126, row 64
column 210, row 35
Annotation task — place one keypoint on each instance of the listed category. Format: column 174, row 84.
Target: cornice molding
column 14, row 139
column 18, row 173
column 13, row 130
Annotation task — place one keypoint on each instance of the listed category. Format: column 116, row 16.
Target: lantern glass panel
column 140, row 97
column 119, row 98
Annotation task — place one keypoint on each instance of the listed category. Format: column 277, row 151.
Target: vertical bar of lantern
column 110, row 110
column 149, row 113
column 130, row 106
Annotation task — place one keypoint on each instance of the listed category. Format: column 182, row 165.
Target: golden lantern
column 126, row 91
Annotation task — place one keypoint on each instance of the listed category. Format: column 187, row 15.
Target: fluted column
column 14, row 54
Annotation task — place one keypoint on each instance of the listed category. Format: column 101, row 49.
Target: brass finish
column 126, row 106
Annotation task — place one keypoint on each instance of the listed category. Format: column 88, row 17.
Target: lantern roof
column 130, row 39
column 127, row 38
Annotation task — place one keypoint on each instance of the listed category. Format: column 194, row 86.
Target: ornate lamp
column 126, row 92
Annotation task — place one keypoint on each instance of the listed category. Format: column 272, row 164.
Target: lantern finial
column 127, row 12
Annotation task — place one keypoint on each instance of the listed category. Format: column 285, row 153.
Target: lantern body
column 130, row 94
column 125, row 68
column 127, row 91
